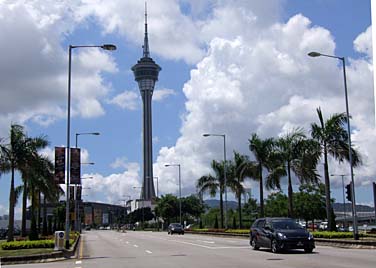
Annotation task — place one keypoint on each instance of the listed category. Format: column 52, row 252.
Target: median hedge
column 317, row 234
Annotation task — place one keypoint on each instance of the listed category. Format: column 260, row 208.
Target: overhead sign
column 75, row 166
column 60, row 165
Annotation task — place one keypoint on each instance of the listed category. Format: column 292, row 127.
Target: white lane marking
column 135, row 246
column 78, row 262
column 148, row 251
column 204, row 241
column 127, row 242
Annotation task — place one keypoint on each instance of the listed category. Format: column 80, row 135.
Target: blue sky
column 233, row 67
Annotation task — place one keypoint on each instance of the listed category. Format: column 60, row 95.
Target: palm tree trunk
column 261, row 192
column 221, row 208
column 11, row 208
column 44, row 215
column 240, row 209
column 327, row 188
column 290, row 213
column 24, row 208
column 39, row 212
column 33, row 226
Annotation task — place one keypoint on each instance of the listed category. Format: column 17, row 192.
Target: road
column 152, row 249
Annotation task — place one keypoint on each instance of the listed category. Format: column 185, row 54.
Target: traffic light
column 348, row 192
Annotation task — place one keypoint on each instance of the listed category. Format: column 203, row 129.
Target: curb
column 319, row 241
column 42, row 258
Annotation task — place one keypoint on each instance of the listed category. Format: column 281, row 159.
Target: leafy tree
column 216, row 222
column 192, row 206
column 310, row 202
column 214, row 183
column 168, row 207
column 276, row 205
column 333, row 140
column 262, row 150
column 293, row 152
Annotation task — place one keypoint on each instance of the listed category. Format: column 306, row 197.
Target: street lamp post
column 77, row 207
column 224, row 169
column 177, row 165
column 343, row 195
column 317, row 54
column 125, row 208
column 67, row 223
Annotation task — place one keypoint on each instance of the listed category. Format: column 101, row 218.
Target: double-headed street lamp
column 317, row 54
column 224, row 168
column 71, row 47
column 85, row 133
column 177, row 165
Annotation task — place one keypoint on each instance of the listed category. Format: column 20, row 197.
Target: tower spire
column 146, row 40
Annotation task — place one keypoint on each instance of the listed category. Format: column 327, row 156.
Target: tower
column 146, row 74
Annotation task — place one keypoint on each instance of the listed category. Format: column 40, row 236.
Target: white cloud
column 34, row 67
column 161, row 94
column 267, row 85
column 129, row 100
column 113, row 187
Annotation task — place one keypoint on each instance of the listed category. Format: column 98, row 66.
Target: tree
column 240, row 169
column 333, row 140
column 167, row 207
column 16, row 155
column 276, row 205
column 293, row 152
column 214, row 183
column 261, row 149
column 192, row 206
column 310, row 202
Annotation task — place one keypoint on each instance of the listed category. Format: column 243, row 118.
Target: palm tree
column 261, row 149
column 16, row 155
column 241, row 168
column 333, row 140
column 214, row 183
column 294, row 152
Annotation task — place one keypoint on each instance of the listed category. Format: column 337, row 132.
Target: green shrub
column 30, row 244
column 333, row 235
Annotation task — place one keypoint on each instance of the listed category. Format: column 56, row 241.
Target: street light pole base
column 67, row 244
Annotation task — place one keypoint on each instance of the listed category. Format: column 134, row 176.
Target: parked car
column 175, row 228
column 87, row 228
column 280, row 234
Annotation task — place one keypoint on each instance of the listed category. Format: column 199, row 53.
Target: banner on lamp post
column 75, row 166
column 59, row 165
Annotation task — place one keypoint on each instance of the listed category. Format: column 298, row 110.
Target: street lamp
column 343, row 194
column 105, row 47
column 86, row 133
column 317, row 54
column 142, row 194
column 88, row 163
column 177, row 165
column 224, row 168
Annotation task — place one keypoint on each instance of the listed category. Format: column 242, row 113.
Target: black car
column 279, row 234
column 176, row 228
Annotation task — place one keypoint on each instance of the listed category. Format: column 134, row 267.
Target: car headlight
column 281, row 236
column 310, row 236
column 172, row 229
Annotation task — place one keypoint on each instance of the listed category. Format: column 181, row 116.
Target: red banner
column 60, row 165
column 75, row 166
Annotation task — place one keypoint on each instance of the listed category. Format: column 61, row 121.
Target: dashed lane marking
column 135, row 246
column 148, row 251
column 78, row 262
column 204, row 241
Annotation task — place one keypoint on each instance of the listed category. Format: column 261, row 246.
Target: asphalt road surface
column 152, row 249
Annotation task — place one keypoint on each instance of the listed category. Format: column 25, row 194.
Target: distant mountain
column 213, row 203
column 338, row 207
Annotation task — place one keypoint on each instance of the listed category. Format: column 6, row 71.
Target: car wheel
column 182, row 233
column 274, row 246
column 308, row 250
column 253, row 244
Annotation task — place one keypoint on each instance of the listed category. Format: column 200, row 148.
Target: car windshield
column 176, row 225
column 286, row 224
